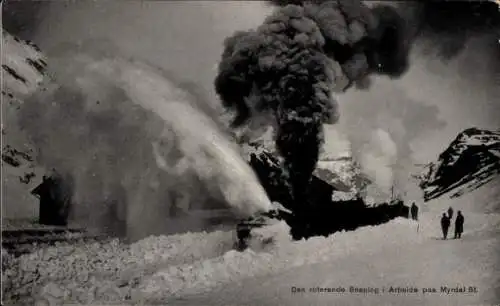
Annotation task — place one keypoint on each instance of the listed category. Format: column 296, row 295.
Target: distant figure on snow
column 445, row 224
column 459, row 225
column 450, row 213
column 414, row 211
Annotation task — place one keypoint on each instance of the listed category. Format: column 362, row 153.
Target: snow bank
column 93, row 267
column 159, row 268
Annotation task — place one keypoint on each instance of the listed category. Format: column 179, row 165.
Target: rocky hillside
column 470, row 161
column 335, row 171
column 23, row 68
column 345, row 175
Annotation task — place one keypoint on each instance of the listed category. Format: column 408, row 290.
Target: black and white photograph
column 224, row 152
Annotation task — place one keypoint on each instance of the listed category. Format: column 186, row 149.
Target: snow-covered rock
column 335, row 167
column 23, row 68
column 345, row 175
column 471, row 160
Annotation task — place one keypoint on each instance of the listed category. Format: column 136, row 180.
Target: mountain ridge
column 471, row 160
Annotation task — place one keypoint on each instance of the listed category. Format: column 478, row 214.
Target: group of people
column 446, row 221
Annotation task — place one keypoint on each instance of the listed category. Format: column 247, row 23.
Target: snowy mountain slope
column 345, row 175
column 471, row 160
column 336, row 166
column 23, row 67
column 342, row 174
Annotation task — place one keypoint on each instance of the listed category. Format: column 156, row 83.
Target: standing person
column 445, row 224
column 414, row 211
column 450, row 213
column 459, row 225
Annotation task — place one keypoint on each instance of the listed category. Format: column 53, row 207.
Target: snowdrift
column 163, row 267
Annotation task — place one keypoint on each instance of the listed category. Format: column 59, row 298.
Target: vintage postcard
column 280, row 152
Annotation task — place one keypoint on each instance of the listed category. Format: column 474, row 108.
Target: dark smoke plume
column 449, row 24
column 296, row 59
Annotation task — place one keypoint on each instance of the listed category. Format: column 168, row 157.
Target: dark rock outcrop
column 15, row 157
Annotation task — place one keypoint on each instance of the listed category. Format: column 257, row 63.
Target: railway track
column 22, row 241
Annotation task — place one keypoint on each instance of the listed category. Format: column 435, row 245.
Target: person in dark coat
column 450, row 213
column 445, row 224
column 414, row 211
column 459, row 225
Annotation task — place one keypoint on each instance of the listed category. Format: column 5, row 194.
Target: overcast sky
column 425, row 109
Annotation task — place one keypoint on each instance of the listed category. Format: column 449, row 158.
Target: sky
column 423, row 111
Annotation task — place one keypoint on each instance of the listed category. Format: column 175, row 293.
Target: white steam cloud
column 377, row 161
column 139, row 151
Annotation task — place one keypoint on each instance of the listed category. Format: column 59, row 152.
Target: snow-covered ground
column 202, row 268
column 391, row 255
